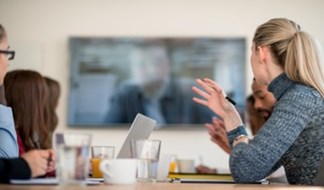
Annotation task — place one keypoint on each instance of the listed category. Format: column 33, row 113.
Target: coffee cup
column 186, row 165
column 119, row 171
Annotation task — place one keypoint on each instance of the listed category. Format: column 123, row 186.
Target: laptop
column 141, row 128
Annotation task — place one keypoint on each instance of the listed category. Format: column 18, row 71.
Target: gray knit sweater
column 293, row 137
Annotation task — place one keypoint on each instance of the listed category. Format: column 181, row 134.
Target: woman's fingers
column 208, row 88
column 219, row 123
column 212, row 84
column 209, row 126
column 200, row 101
column 200, row 92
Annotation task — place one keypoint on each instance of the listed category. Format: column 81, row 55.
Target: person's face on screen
column 151, row 70
column 264, row 100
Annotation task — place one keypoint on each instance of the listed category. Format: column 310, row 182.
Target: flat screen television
column 114, row 78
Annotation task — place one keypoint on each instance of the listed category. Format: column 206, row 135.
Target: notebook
column 141, row 128
column 223, row 181
column 47, row 181
column 206, row 178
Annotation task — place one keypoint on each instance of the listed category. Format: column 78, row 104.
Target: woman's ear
column 261, row 53
column 264, row 53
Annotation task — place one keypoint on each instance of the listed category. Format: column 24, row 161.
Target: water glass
column 147, row 153
column 72, row 157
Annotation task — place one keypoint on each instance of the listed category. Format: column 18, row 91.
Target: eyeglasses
column 10, row 54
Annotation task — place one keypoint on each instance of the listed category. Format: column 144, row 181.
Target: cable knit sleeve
column 254, row 161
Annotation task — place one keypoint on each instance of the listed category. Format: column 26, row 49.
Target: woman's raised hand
column 214, row 98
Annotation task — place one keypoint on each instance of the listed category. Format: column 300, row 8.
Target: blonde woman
column 287, row 60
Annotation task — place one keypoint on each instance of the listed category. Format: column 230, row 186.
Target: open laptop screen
column 141, row 128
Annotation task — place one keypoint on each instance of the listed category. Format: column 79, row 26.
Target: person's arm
column 202, row 169
column 218, row 135
column 40, row 161
column 255, row 160
column 31, row 164
column 15, row 168
column 8, row 137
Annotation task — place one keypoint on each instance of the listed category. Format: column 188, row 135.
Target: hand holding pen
column 51, row 153
column 38, row 163
column 51, row 161
column 215, row 99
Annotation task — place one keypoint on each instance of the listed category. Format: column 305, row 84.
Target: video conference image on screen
column 114, row 78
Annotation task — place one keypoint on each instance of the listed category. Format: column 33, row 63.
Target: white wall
column 39, row 29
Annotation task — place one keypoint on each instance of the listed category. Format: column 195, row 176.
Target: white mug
column 119, row 171
column 186, row 165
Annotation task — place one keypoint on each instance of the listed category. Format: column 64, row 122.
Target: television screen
column 114, row 78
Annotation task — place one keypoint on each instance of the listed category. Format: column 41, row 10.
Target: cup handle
column 103, row 167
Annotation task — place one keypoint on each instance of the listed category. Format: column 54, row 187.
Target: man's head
column 150, row 69
column 255, row 119
column 264, row 100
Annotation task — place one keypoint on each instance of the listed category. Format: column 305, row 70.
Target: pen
column 227, row 98
column 230, row 100
column 37, row 146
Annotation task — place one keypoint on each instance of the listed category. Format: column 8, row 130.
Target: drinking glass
column 72, row 157
column 99, row 153
column 147, row 153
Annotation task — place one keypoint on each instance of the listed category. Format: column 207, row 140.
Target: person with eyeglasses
column 33, row 163
column 10, row 54
column 8, row 138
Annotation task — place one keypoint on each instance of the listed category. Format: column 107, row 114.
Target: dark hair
column 27, row 94
column 54, row 94
column 250, row 99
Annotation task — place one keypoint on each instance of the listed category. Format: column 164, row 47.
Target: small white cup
column 163, row 167
column 119, row 171
column 186, row 165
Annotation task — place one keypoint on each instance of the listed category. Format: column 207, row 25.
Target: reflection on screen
column 113, row 79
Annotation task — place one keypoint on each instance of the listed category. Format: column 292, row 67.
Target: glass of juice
column 99, row 153
column 173, row 164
